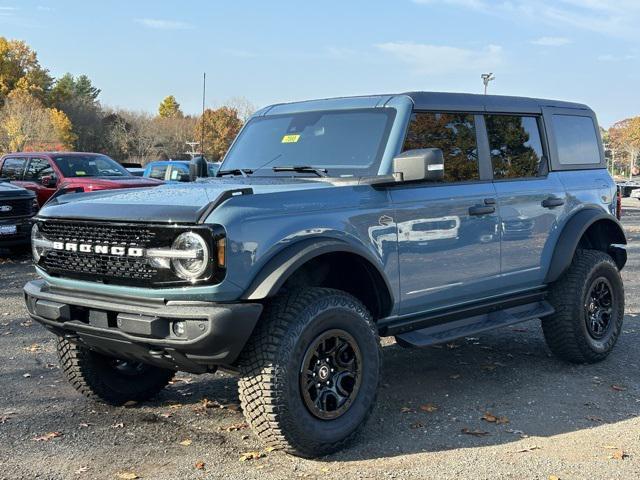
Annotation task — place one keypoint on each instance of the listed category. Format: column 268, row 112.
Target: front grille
column 16, row 207
column 98, row 266
column 102, row 234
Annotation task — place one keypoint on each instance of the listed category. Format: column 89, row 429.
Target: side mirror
column 198, row 168
column 426, row 164
column 48, row 181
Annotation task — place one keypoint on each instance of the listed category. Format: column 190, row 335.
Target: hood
column 169, row 203
column 9, row 190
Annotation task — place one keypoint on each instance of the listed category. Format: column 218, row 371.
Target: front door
column 37, row 169
column 448, row 233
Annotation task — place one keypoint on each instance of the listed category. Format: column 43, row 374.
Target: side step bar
column 447, row 332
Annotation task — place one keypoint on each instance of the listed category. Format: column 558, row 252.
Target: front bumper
column 22, row 235
column 144, row 330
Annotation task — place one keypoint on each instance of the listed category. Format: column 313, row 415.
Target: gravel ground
column 554, row 419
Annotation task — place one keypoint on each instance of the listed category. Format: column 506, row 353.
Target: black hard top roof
column 481, row 103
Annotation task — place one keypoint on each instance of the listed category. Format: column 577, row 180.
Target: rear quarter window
column 576, row 139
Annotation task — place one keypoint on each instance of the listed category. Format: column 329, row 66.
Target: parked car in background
column 47, row 172
column 136, row 171
column 17, row 206
column 628, row 187
column 174, row 170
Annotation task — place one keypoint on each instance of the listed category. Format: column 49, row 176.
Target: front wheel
column 589, row 304
column 309, row 374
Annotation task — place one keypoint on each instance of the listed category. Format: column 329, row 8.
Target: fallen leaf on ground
column 618, row 388
column 407, row 410
column 186, row 442
column 199, row 465
column 250, row 456
column 528, row 449
column 553, row 477
column 234, row 407
column 269, row 449
column 81, row 470
column 118, row 425
column 127, row 476
column 491, row 418
column 84, row 425
column 33, row 348
column 416, row 425
column 48, row 436
column 166, row 415
column 619, row 455
column 475, row 433
column 234, row 427
column 429, row 407
column 175, row 406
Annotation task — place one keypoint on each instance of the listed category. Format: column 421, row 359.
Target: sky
column 139, row 51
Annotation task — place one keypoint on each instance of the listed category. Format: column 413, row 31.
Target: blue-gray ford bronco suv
column 423, row 216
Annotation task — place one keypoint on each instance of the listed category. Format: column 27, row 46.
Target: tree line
column 622, row 143
column 40, row 112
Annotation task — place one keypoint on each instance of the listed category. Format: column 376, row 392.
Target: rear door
column 532, row 201
column 448, row 242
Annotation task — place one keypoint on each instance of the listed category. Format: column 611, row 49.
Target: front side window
column 455, row 135
column 13, row 168
column 515, row 146
column 38, row 168
column 89, row 166
column 576, row 140
column 344, row 142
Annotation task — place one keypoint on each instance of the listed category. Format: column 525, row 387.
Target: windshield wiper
column 245, row 172
column 321, row 172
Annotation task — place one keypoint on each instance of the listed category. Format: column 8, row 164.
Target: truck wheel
column 109, row 380
column 589, row 303
column 309, row 373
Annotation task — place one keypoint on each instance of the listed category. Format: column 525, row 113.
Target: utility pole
column 486, row 78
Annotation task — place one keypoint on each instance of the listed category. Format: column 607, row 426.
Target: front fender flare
column 283, row 264
column 573, row 231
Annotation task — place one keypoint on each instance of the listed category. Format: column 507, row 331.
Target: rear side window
column 38, row 168
column 576, row 139
column 515, row 146
column 13, row 168
column 158, row 172
column 455, row 135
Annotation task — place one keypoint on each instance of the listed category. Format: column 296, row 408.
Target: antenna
column 204, row 93
column 486, row 78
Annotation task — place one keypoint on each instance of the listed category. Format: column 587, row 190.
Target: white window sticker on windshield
column 290, row 138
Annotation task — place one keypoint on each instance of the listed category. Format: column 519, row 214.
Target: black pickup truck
column 17, row 206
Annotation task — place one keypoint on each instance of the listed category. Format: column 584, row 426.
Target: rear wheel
column 589, row 303
column 309, row 374
column 107, row 379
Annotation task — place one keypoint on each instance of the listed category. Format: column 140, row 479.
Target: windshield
column 89, row 166
column 344, row 142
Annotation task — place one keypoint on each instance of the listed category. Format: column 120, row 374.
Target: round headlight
column 195, row 261
column 36, row 239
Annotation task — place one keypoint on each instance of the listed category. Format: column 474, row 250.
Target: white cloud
column 615, row 58
column 617, row 18
column 440, row 59
column 163, row 24
column 551, row 41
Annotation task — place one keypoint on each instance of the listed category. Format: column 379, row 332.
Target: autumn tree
column 624, row 136
column 26, row 124
column 217, row 128
column 77, row 97
column 20, row 69
column 169, row 108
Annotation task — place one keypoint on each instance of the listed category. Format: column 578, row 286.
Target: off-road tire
column 270, row 367
column 566, row 331
column 93, row 375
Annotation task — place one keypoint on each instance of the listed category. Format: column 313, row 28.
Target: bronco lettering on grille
column 99, row 249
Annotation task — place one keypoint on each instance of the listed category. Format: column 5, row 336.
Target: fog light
column 179, row 328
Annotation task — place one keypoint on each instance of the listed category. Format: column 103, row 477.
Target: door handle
column 552, row 202
column 481, row 210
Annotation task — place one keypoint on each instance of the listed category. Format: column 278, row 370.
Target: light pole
column 486, row 78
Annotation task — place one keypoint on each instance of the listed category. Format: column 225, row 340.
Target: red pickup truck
column 47, row 172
